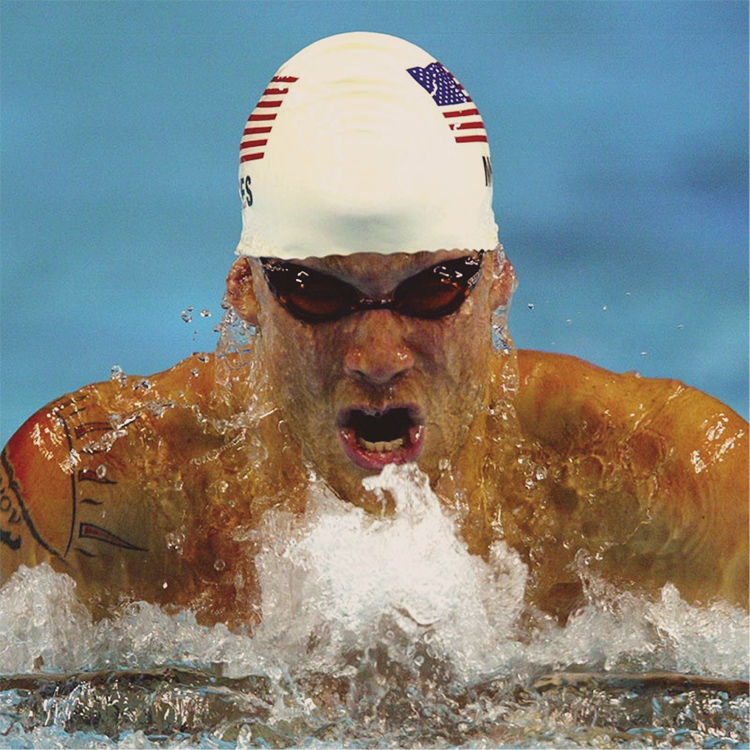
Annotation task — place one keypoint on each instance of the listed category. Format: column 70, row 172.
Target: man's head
column 364, row 143
column 375, row 385
column 370, row 259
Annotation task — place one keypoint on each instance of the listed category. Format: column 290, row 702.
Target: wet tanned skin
column 153, row 491
column 377, row 359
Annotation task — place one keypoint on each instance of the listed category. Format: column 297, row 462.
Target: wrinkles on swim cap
column 359, row 154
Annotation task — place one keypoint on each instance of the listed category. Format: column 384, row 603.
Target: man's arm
column 72, row 495
column 116, row 485
column 682, row 454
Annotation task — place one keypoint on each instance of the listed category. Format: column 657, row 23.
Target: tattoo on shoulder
column 13, row 512
column 83, row 513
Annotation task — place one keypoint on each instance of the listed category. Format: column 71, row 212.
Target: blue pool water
column 620, row 144
column 619, row 136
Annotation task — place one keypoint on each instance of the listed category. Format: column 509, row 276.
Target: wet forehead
column 376, row 273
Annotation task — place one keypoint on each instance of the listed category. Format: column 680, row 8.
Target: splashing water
column 376, row 631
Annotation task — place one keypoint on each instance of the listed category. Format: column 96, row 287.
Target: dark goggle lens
column 317, row 297
column 307, row 294
column 438, row 291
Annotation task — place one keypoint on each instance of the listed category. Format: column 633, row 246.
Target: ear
column 240, row 291
column 504, row 282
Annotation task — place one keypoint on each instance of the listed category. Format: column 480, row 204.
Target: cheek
column 298, row 369
column 461, row 350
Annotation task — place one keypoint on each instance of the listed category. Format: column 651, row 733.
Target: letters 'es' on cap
column 363, row 142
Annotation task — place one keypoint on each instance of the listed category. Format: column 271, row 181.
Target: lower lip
column 376, row 461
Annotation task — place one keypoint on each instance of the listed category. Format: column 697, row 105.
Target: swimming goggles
column 316, row 297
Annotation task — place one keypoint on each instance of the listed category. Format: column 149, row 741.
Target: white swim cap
column 363, row 142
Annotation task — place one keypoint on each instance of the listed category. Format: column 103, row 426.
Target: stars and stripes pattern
column 456, row 106
column 260, row 122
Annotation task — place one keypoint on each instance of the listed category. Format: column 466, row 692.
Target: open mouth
column 373, row 438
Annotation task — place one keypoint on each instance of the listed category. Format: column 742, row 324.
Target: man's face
column 377, row 386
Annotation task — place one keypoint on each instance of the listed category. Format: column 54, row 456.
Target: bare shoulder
column 94, row 481
column 558, row 393
column 680, row 453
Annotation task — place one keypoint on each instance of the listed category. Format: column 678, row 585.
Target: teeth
column 381, row 446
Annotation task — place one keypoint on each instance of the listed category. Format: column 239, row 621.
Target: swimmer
column 370, row 269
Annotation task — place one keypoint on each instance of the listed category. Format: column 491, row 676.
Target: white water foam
column 340, row 581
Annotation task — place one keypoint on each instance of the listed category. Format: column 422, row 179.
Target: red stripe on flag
column 468, row 125
column 471, row 139
column 253, row 149
column 461, row 113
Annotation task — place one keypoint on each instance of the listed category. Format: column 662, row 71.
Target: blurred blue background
column 619, row 133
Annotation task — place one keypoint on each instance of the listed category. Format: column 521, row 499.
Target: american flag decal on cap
column 455, row 103
column 260, row 122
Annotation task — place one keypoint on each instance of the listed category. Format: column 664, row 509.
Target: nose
column 378, row 353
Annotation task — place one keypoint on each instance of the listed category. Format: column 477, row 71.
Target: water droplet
column 605, row 308
column 530, row 305
column 219, row 564
column 101, row 471
column 643, row 354
column 205, row 313
column 175, row 541
column 680, row 327
column 195, row 372
column 165, row 585
column 117, row 374
column 568, row 321
column 186, row 316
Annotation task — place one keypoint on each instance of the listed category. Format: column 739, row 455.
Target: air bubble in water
column 205, row 313
column 117, row 375
column 186, row 316
column 175, row 541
